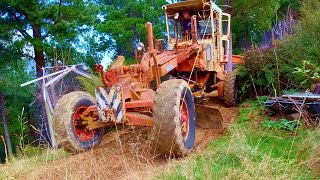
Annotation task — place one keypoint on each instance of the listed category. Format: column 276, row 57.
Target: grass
column 249, row 151
column 28, row 160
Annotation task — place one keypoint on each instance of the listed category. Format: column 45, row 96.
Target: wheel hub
column 184, row 119
column 80, row 131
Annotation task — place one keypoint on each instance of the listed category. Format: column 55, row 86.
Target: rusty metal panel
column 136, row 119
column 189, row 4
column 139, row 104
column 165, row 59
column 169, row 66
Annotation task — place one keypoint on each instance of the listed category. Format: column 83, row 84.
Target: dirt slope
column 127, row 153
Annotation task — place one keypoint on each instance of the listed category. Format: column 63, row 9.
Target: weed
column 289, row 91
column 282, row 124
column 33, row 158
column 310, row 71
column 23, row 128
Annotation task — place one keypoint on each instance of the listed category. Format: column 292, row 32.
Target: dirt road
column 125, row 153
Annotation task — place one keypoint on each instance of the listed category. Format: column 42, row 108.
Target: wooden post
column 5, row 125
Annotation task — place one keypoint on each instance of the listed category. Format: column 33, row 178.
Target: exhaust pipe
column 156, row 73
column 150, row 36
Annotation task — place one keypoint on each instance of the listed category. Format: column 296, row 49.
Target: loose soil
column 125, row 153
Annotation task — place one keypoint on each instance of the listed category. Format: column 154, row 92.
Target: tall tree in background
column 250, row 19
column 13, row 98
column 124, row 23
column 5, row 125
column 41, row 24
column 39, row 30
column 285, row 5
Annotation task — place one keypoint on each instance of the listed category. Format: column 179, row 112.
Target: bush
column 269, row 72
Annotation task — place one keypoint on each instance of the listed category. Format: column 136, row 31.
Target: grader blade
column 209, row 117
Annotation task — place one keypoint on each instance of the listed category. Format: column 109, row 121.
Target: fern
column 89, row 85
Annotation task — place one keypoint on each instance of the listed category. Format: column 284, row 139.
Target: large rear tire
column 174, row 118
column 230, row 89
column 67, row 111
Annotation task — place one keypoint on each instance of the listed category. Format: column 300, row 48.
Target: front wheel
column 174, row 117
column 71, row 137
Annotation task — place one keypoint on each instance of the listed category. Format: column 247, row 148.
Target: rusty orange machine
column 165, row 89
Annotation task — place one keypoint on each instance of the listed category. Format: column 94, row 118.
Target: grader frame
column 128, row 97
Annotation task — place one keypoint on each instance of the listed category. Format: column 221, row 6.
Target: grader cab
column 165, row 89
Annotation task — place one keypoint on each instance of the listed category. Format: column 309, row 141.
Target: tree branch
column 22, row 31
column 28, row 56
column 59, row 14
column 60, row 3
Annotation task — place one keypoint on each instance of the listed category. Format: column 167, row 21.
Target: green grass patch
column 251, row 151
column 29, row 159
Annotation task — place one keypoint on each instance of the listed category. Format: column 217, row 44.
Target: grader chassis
column 162, row 88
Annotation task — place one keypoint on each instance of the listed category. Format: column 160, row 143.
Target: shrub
column 269, row 71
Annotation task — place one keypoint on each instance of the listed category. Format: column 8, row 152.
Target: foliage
column 44, row 31
column 282, row 124
column 253, row 110
column 309, row 71
column 16, row 97
column 260, row 72
column 263, row 66
column 285, row 5
column 37, row 27
column 289, row 91
column 22, row 134
column 89, row 85
column 256, row 74
column 304, row 44
column 250, row 19
column 124, row 23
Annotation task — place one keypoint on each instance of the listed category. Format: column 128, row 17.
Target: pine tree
column 124, row 23
column 43, row 25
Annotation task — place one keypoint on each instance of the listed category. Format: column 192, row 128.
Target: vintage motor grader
column 162, row 88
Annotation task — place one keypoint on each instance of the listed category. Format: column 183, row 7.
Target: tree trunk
column 40, row 63
column 246, row 42
column 5, row 125
column 39, row 58
column 38, row 50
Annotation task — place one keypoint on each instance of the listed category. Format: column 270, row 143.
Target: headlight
column 140, row 46
column 208, row 52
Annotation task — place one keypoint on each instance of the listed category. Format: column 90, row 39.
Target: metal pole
column 43, row 77
column 48, row 112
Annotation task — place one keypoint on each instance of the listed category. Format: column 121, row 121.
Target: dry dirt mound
column 125, row 153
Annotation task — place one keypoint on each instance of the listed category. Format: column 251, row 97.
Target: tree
column 12, row 99
column 42, row 25
column 288, row 4
column 5, row 125
column 124, row 23
column 250, row 19
column 40, row 30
